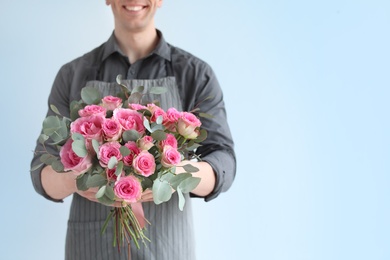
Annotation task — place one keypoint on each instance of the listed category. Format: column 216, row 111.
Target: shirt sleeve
column 205, row 92
column 58, row 97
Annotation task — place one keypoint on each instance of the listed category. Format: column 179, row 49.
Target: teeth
column 134, row 8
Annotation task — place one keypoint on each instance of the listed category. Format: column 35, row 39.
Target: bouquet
column 122, row 147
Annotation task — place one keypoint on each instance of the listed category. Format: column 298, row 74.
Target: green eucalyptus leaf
column 96, row 180
column 106, row 200
column 167, row 177
column 159, row 120
column 192, row 147
column 202, row 136
column 124, row 150
column 78, row 136
column 147, row 125
column 135, row 98
column 55, row 109
column 159, row 135
column 101, row 192
column 146, row 183
column 90, row 95
column 182, row 200
column 177, row 179
column 57, row 166
column 158, row 90
column 190, row 168
column 189, row 184
column 78, row 147
column 75, row 106
column 162, row 191
column 110, row 192
column 130, row 135
column 95, row 145
column 205, row 115
column 36, row 167
column 43, row 138
column 47, row 159
column 50, row 125
column 81, row 182
column 119, row 79
column 138, row 89
column 156, row 127
column 112, row 162
column 119, row 168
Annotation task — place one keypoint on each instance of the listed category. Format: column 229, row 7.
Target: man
column 139, row 51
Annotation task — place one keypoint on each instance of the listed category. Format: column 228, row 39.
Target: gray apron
column 171, row 230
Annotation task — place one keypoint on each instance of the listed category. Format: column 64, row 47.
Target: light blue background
column 306, row 85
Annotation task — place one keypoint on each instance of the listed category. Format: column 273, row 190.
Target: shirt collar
column 162, row 49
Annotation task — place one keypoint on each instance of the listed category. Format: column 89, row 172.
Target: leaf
column 202, row 136
column 36, row 167
column 119, row 79
column 158, row 90
column 159, row 120
column 47, row 159
column 156, row 127
column 119, row 169
column 130, row 135
column 189, row 184
column 95, row 145
column 105, row 200
column 147, row 125
column 55, row 109
column 81, row 182
column 43, row 138
column 96, row 180
column 159, row 135
column 190, row 168
column 205, row 115
column 112, row 162
column 177, row 179
column 77, row 136
column 75, row 106
column 90, row 95
column 101, row 192
column 182, row 200
column 138, row 89
column 78, row 147
column 110, row 192
column 124, row 150
column 50, row 125
column 135, row 98
column 167, row 177
column 162, row 191
column 57, row 166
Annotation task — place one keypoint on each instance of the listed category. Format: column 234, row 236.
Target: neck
column 136, row 45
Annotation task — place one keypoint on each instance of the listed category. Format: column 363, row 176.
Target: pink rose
column 137, row 106
column 156, row 112
column 146, row 142
column 171, row 119
column 72, row 162
column 169, row 140
column 108, row 150
column 128, row 188
column 134, row 151
column 112, row 130
column 110, row 173
column 187, row 125
column 111, row 103
column 129, row 119
column 90, row 127
column 170, row 157
column 92, row 110
column 144, row 164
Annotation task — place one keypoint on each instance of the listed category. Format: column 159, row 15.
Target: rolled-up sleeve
column 218, row 148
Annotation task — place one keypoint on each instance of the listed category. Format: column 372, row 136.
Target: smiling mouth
column 135, row 8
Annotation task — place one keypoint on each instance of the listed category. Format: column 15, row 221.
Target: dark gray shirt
column 195, row 80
